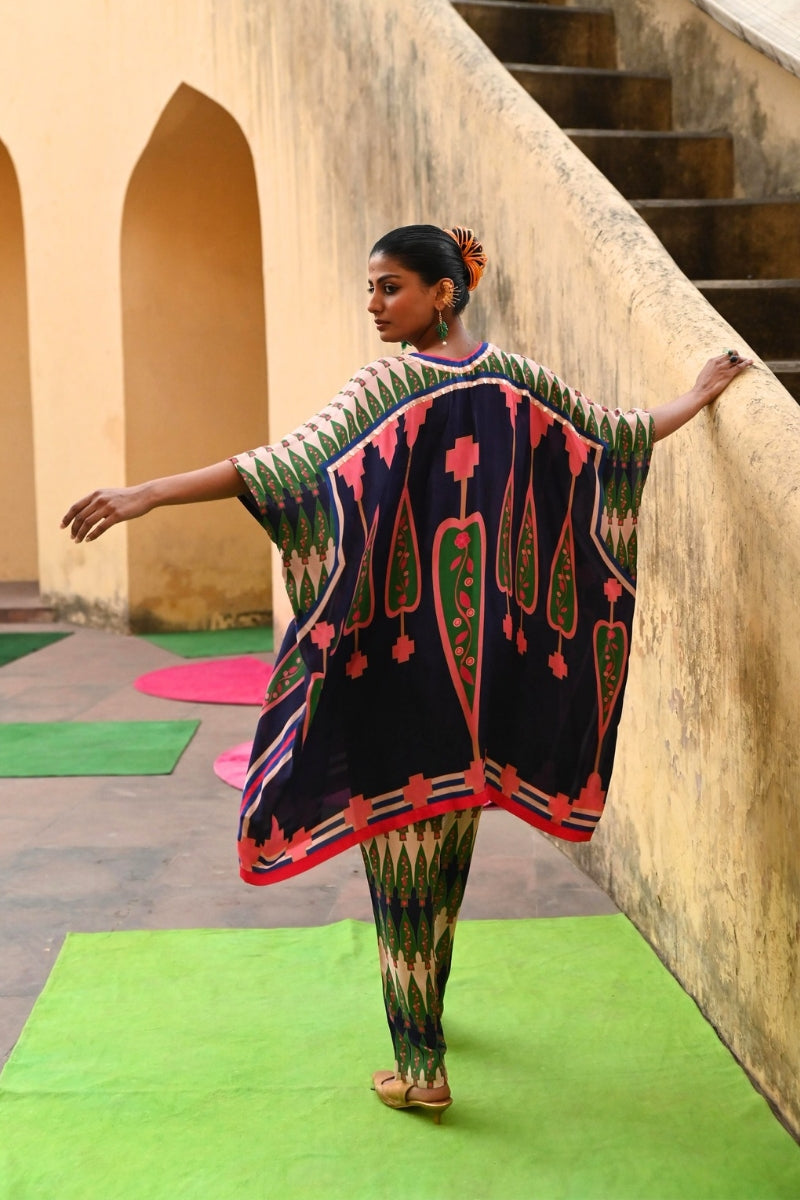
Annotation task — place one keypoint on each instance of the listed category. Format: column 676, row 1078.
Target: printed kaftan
column 459, row 547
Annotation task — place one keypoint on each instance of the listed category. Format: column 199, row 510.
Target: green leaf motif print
column 269, row 482
column 287, row 675
column 303, row 537
column 362, row 606
column 527, row 567
column 352, row 429
column 623, row 505
column 414, row 381
column 340, row 433
column 424, row 939
column 307, row 594
column 504, row 539
column 641, row 443
column 374, row 407
column 562, row 611
column 403, row 576
column 416, row 1005
column 541, row 385
column 303, row 471
column 387, row 874
column 624, row 441
column 610, row 656
column 330, row 447
column 322, row 532
column 405, row 882
column 285, row 539
column 400, row 389
column 459, row 552
column 287, row 478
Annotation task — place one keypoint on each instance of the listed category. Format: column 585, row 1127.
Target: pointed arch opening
column 194, row 344
column 18, row 554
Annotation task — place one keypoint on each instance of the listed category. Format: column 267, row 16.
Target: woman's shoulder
column 397, row 376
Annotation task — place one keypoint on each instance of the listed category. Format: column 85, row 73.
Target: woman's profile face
column 400, row 302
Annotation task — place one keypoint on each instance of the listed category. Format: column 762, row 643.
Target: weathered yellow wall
column 195, row 362
column 17, row 493
column 719, row 82
column 697, row 844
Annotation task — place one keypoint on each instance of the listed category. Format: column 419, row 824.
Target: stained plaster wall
column 720, row 82
column 703, row 812
column 17, row 494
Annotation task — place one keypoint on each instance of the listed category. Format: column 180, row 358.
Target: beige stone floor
column 88, row 854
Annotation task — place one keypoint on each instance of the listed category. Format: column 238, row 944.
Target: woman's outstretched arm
column 710, row 383
column 97, row 512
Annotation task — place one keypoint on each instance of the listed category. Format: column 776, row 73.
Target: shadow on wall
column 195, row 363
column 18, row 554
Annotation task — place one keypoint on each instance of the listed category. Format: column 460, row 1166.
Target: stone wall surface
column 397, row 113
column 721, row 81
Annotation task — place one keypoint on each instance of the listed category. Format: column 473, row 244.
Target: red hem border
column 456, row 804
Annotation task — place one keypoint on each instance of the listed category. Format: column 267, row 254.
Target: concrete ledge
column 771, row 26
column 696, row 845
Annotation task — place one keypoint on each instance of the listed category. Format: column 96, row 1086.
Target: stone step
column 520, row 32
column 714, row 239
column 21, row 604
column 589, row 98
column 661, row 166
column 788, row 372
column 765, row 311
column 28, row 615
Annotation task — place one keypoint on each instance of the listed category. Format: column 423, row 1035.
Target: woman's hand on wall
column 710, row 383
column 718, row 373
column 91, row 516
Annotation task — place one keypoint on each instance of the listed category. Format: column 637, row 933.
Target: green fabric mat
column 213, row 643
column 16, row 645
column 41, row 748
column 221, row 1064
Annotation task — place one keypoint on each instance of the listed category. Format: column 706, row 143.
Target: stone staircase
column 20, row 604
column 743, row 255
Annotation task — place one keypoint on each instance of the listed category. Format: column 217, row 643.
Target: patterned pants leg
column 416, row 878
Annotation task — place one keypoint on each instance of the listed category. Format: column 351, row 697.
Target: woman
column 458, row 534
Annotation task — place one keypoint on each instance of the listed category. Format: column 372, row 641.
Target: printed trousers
column 417, row 877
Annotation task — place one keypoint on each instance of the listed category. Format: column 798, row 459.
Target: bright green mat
column 42, row 748
column 16, row 645
column 213, row 643
column 213, row 1065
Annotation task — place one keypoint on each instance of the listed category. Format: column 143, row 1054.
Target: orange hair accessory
column 471, row 252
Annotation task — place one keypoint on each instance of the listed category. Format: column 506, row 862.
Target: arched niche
column 18, row 550
column 195, row 364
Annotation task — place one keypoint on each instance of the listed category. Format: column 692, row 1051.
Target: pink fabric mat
column 219, row 681
column 231, row 765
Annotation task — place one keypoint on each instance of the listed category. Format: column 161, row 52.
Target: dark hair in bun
column 435, row 254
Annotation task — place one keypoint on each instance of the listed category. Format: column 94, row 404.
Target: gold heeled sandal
column 393, row 1092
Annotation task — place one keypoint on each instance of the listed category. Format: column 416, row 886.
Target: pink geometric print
column 462, row 460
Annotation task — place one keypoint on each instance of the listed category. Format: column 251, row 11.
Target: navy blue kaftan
column 459, row 546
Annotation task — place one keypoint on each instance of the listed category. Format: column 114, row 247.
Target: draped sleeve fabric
column 459, row 545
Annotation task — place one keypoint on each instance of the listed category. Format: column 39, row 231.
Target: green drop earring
column 441, row 328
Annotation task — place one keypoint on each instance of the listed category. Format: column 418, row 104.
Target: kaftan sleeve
column 627, row 438
column 289, row 484
column 288, row 493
